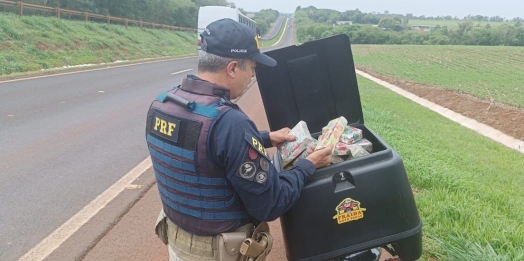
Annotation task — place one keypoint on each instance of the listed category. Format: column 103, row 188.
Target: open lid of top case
column 314, row 82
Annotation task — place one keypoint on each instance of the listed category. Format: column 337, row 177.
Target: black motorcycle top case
column 353, row 205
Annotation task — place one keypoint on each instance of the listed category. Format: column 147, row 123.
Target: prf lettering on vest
column 164, row 126
column 259, row 146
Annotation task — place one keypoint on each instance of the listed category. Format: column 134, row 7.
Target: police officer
column 213, row 172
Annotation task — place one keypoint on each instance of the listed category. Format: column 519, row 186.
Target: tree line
column 478, row 18
column 182, row 13
column 357, row 16
column 313, row 23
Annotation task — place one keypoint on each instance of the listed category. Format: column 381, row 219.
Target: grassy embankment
column 467, row 187
column 33, row 43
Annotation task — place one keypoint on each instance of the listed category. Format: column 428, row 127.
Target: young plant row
column 492, row 73
column 468, row 188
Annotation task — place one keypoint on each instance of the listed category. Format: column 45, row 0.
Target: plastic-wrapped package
column 365, row 144
column 332, row 132
column 351, row 135
column 310, row 148
column 358, row 151
column 292, row 149
column 347, row 149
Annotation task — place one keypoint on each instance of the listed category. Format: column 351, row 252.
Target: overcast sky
column 460, row 8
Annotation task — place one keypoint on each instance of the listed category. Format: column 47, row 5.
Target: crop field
column 454, row 24
column 490, row 73
column 468, row 188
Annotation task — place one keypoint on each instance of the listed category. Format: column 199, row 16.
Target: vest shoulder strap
column 209, row 111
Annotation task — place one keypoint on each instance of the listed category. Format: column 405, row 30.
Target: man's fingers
column 328, row 150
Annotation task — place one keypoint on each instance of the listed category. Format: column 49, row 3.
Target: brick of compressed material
column 290, row 150
column 351, row 135
column 341, row 149
column 358, row 151
column 337, row 159
column 331, row 133
column 366, row 144
column 310, row 148
column 346, row 149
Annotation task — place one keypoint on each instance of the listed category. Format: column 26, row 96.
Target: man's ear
column 232, row 68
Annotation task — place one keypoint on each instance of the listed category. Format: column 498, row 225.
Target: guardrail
column 21, row 5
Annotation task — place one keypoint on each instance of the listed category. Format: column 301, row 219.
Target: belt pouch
column 161, row 227
column 257, row 247
column 229, row 245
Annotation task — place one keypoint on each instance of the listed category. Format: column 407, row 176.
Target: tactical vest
column 195, row 193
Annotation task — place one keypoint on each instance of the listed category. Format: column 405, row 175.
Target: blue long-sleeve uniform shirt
column 239, row 148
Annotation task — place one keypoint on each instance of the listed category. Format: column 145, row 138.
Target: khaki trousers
column 184, row 246
column 173, row 256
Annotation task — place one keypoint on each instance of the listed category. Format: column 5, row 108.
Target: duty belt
column 193, row 247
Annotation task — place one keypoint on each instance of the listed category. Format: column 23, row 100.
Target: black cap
column 228, row 38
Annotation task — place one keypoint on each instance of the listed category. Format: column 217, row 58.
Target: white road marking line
column 283, row 33
column 66, row 230
column 92, row 70
column 469, row 123
column 182, row 71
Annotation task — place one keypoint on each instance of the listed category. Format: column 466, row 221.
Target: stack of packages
column 348, row 142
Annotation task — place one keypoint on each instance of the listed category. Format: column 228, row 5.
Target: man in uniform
column 213, row 172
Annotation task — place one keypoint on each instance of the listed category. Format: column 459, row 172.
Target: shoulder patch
column 253, row 154
column 264, row 164
column 261, row 177
column 256, row 144
column 247, row 170
column 255, row 164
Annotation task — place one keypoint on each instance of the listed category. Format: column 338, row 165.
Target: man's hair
column 208, row 62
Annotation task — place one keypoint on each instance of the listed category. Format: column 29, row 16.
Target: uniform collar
column 194, row 84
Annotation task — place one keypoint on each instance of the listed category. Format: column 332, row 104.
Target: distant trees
column 391, row 23
column 172, row 12
column 264, row 18
column 183, row 13
column 371, row 28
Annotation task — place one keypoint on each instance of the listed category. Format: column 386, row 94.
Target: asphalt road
column 275, row 29
column 66, row 138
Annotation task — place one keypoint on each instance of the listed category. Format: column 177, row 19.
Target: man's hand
column 280, row 136
column 321, row 158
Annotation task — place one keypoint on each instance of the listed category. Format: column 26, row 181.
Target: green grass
column 454, row 24
column 490, row 73
column 32, row 43
column 468, row 188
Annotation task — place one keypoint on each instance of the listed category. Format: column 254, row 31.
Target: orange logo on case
column 348, row 210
